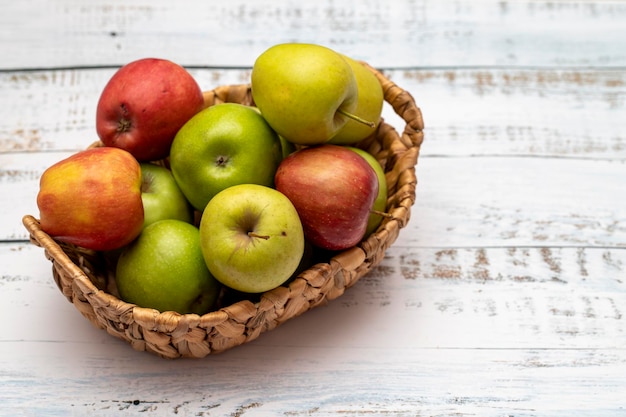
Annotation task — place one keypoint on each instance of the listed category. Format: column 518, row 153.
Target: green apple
column 164, row 269
column 287, row 147
column 221, row 146
column 306, row 92
column 251, row 238
column 380, row 202
column 369, row 106
column 161, row 196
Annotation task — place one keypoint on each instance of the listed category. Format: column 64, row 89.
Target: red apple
column 92, row 199
column 144, row 104
column 333, row 190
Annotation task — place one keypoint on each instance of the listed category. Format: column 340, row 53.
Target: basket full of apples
column 201, row 219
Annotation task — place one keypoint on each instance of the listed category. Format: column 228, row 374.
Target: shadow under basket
column 86, row 278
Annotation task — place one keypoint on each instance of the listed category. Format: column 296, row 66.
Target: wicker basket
column 86, row 277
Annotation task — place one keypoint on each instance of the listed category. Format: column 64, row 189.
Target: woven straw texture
column 87, row 280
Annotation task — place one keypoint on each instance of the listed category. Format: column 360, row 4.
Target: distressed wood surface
column 505, row 294
column 214, row 33
column 469, row 112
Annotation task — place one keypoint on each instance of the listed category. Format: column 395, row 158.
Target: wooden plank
column 517, row 201
column 19, row 179
column 290, row 381
column 561, row 113
column 473, row 331
column 42, row 34
column 56, row 110
column 426, row 298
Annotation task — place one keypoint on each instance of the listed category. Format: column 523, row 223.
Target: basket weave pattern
column 86, row 278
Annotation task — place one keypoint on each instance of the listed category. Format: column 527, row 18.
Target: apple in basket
column 162, row 198
column 380, row 203
column 164, row 269
column 251, row 238
column 144, row 104
column 221, row 146
column 92, row 199
column 306, row 92
column 333, row 190
column 369, row 106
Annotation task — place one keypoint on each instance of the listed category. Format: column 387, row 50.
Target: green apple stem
column 252, row 234
column 356, row 118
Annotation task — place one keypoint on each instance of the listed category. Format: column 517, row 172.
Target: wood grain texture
column 416, row 382
column 505, row 294
column 541, row 298
column 424, row 33
column 431, row 331
column 547, row 112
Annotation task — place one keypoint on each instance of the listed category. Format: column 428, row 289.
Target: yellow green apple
column 369, row 106
column 251, row 238
column 306, row 92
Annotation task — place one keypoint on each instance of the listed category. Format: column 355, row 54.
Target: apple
column 92, row 199
column 369, row 106
column 333, row 190
column 221, row 146
column 306, row 92
column 251, row 238
column 380, row 203
column 144, row 104
column 164, row 269
column 162, row 198
column 286, row 146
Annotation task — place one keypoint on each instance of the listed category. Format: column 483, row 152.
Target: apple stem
column 382, row 214
column 356, row 118
column 252, row 234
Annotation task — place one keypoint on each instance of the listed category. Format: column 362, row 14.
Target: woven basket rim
column 341, row 271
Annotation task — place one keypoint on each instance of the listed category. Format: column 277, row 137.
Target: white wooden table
column 505, row 295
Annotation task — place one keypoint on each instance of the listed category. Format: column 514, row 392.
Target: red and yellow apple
column 144, row 104
column 92, row 199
